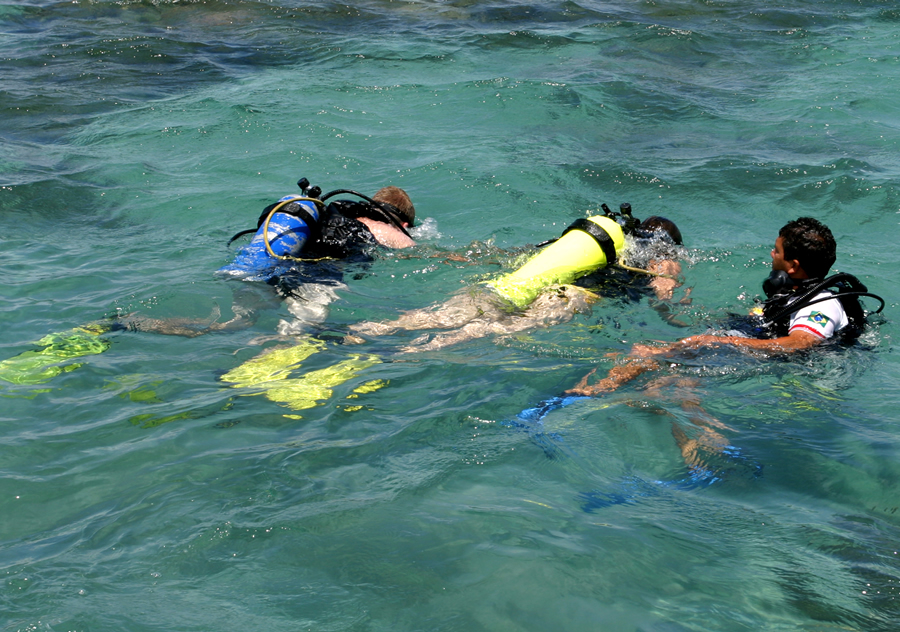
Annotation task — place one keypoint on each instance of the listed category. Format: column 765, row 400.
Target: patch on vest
column 819, row 319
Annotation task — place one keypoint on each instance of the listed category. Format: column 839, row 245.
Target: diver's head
column 656, row 226
column 807, row 242
column 397, row 197
column 804, row 249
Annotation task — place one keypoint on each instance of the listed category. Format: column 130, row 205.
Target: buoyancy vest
column 846, row 288
column 303, row 228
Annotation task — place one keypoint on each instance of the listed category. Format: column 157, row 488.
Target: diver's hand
column 616, row 377
column 606, row 385
column 582, row 387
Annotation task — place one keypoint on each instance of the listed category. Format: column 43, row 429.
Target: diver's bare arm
column 643, row 357
column 795, row 341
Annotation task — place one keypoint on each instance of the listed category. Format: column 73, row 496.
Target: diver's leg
column 556, row 306
column 249, row 299
column 309, row 305
column 454, row 313
column 186, row 327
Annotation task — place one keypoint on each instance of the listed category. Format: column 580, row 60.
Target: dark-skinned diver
column 805, row 307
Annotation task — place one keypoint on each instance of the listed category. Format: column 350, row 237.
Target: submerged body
column 479, row 312
column 544, row 292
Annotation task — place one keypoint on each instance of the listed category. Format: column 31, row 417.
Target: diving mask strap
column 389, row 212
column 392, row 213
column 602, row 237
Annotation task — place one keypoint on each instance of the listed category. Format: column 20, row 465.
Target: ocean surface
column 141, row 491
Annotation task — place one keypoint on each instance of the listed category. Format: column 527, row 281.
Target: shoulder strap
column 375, row 209
column 294, row 208
column 599, row 234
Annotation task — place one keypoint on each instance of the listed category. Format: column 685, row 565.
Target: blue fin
column 540, row 411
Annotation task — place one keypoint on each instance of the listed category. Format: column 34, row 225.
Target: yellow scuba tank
column 587, row 245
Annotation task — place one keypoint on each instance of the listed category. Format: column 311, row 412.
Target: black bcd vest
column 846, row 288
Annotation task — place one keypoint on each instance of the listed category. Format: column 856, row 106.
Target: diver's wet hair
column 656, row 225
column 397, row 197
column 810, row 242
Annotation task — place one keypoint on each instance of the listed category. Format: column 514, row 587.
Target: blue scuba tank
column 287, row 236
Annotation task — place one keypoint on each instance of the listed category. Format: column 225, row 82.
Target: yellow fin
column 272, row 365
column 316, row 386
column 370, row 387
column 37, row 367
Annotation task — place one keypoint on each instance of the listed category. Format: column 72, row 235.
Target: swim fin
column 537, row 413
column 269, row 374
column 272, row 365
column 315, row 386
column 38, row 367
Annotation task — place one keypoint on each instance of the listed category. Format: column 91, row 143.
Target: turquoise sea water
column 139, row 492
